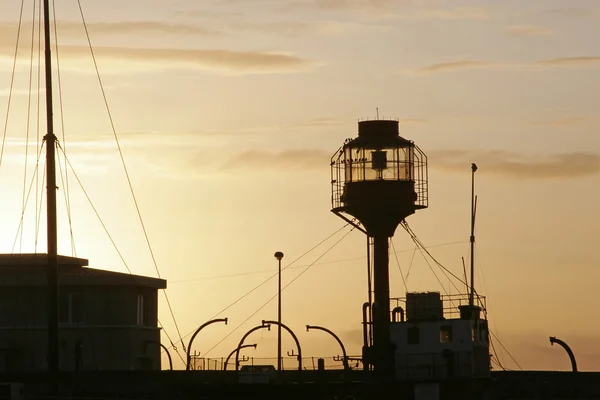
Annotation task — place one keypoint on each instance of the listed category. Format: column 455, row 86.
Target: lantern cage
column 377, row 158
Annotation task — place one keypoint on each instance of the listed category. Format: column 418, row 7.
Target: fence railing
column 289, row 363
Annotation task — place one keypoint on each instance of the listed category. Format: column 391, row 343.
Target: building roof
column 30, row 270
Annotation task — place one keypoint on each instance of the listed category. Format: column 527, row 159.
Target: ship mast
column 50, row 138
column 472, row 238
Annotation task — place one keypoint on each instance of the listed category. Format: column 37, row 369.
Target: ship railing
column 450, row 306
column 289, row 363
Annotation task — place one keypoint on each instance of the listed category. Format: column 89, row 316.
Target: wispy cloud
column 455, row 65
column 566, row 165
column 214, row 59
column 570, row 61
column 450, row 14
column 298, row 159
column 528, row 30
column 567, row 121
column 564, row 62
column 572, row 12
column 119, row 28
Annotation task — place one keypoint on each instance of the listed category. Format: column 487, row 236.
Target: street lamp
column 279, row 256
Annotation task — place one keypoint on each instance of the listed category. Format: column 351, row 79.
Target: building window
column 142, row 310
column 446, row 334
column 71, row 308
column 412, row 335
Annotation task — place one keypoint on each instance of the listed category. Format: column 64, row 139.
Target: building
column 107, row 320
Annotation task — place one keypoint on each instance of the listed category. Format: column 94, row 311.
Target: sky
column 227, row 113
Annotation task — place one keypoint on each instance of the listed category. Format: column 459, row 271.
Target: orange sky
column 229, row 111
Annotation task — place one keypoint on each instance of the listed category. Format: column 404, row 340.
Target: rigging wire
column 62, row 127
column 412, row 258
column 68, row 162
column 507, row 352
column 398, row 262
column 423, row 248
column 20, row 228
column 263, row 271
column 28, row 125
column 114, row 131
column 12, row 81
column 282, row 289
column 162, row 328
column 39, row 122
column 39, row 219
column 272, row 276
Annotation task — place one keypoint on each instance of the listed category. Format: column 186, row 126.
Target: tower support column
column 383, row 351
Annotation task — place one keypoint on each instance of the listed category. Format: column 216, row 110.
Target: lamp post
column 279, row 256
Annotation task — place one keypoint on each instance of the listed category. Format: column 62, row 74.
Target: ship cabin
column 440, row 337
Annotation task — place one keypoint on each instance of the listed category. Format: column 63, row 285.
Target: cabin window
column 71, row 308
column 142, row 310
column 446, row 334
column 412, row 335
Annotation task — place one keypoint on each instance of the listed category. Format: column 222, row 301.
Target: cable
column 170, row 341
column 62, row 127
column 39, row 120
column 398, row 262
column 282, row 289
column 12, row 81
column 412, row 258
column 125, row 167
column 417, row 241
column 26, row 201
column 306, row 265
column 68, row 162
column 28, row 125
column 272, row 276
column 505, row 349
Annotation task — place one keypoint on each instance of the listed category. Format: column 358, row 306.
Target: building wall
column 105, row 320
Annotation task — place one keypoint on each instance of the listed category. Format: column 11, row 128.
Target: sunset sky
column 228, row 112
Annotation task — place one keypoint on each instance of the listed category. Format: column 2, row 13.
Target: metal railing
column 450, row 304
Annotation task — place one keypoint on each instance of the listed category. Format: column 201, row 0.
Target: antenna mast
column 472, row 239
column 50, row 138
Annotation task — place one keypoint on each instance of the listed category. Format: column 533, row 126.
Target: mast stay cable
column 68, row 162
column 282, row 289
column 62, row 127
column 12, row 81
column 143, row 226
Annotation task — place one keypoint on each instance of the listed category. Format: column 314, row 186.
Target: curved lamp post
column 212, row 321
column 237, row 353
column 567, row 349
column 164, row 348
column 236, row 350
column 345, row 357
column 293, row 336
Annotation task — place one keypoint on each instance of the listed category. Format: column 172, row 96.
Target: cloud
column 563, row 121
column 572, row 12
column 564, row 62
column 120, row 28
column 525, row 30
column 299, row 160
column 454, row 66
column 570, row 61
column 566, row 165
column 450, row 14
column 213, row 59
